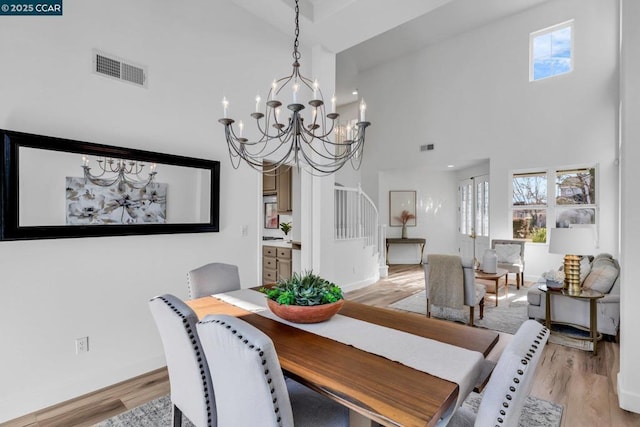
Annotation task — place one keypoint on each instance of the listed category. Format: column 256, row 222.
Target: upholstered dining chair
column 213, row 278
column 510, row 383
column 249, row 384
column 450, row 284
column 189, row 378
column 510, row 255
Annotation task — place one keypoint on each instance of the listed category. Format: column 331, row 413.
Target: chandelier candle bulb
column 363, row 108
column 296, row 87
column 315, row 89
column 225, row 108
column 333, row 104
column 257, row 103
column 241, row 127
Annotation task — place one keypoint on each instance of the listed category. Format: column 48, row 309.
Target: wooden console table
column 412, row 241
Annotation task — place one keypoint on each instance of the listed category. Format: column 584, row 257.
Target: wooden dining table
column 382, row 390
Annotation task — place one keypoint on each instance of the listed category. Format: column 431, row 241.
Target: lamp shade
column 574, row 241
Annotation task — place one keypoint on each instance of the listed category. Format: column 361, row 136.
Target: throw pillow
column 603, row 275
column 508, row 254
column 585, row 268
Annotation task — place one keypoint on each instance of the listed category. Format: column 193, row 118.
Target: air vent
column 116, row 68
column 427, row 147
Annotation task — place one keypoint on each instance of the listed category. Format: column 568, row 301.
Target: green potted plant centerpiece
column 306, row 298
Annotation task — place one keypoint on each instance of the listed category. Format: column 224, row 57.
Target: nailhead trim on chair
column 198, row 352
column 525, row 361
column 274, row 401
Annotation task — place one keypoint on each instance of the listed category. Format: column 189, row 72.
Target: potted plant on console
column 306, row 298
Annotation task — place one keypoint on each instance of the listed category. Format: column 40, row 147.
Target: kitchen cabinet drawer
column 284, row 253
column 268, row 276
column 269, row 251
column 269, row 263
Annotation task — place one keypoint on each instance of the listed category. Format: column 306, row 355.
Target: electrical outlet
column 82, row 345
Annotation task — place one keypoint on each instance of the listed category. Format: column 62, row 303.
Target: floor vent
column 116, row 68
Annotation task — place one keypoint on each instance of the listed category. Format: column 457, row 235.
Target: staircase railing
column 356, row 216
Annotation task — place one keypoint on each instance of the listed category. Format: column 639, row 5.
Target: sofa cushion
column 603, row 275
column 508, row 253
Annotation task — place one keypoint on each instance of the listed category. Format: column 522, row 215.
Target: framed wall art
column 402, row 208
column 271, row 215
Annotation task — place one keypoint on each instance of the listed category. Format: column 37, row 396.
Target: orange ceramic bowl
column 305, row 314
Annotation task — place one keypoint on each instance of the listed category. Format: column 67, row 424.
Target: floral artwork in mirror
column 89, row 203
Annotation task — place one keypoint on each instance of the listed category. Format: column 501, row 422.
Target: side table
column 587, row 294
column 500, row 273
column 410, row 241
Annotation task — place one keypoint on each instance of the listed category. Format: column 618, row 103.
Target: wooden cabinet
column 276, row 264
column 283, row 189
column 268, row 184
column 278, row 183
column 284, row 263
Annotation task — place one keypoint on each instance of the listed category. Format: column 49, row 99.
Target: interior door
column 466, row 223
column 473, row 216
column 481, row 214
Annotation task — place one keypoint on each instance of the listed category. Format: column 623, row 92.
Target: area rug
column 506, row 317
column 157, row 413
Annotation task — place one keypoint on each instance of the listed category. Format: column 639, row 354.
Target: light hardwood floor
column 584, row 384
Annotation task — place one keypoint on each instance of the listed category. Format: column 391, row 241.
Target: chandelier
column 123, row 173
column 291, row 141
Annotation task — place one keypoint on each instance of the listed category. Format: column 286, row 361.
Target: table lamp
column 572, row 242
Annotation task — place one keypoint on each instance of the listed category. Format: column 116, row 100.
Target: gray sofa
column 603, row 275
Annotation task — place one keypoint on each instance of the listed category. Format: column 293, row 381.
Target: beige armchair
column 450, row 285
column 510, row 255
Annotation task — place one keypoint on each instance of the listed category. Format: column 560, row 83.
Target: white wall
column 55, row 291
column 629, row 376
column 471, row 96
column 436, row 193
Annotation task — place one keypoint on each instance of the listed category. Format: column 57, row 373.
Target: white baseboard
column 627, row 400
column 360, row 284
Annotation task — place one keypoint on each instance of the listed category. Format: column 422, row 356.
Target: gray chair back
column 249, row 384
column 213, row 278
column 518, row 267
column 512, row 378
column 473, row 294
column 189, row 378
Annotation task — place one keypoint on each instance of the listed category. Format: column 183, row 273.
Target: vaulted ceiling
column 366, row 33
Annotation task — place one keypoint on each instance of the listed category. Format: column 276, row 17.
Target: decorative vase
column 305, row 313
column 490, row 261
column 404, row 231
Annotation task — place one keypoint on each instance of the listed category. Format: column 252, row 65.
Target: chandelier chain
column 296, row 54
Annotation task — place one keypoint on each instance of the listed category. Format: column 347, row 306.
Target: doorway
column 473, row 216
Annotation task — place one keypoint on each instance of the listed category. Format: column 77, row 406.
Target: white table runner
column 436, row 358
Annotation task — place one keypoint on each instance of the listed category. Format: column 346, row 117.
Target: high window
column 551, row 51
column 562, row 195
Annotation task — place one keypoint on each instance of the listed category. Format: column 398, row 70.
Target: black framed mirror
column 61, row 188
